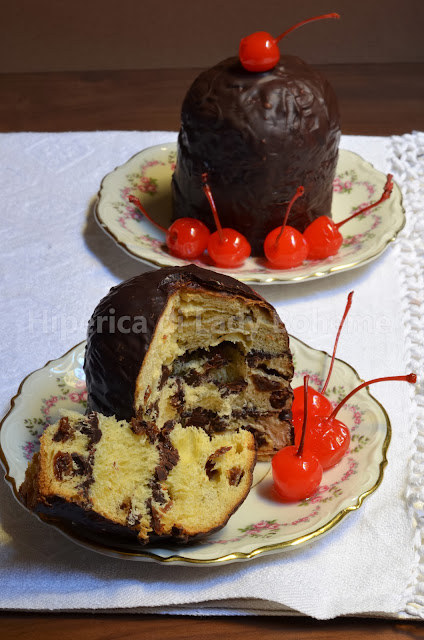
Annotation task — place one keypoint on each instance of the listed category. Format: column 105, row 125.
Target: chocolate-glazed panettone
column 189, row 345
column 258, row 136
column 129, row 483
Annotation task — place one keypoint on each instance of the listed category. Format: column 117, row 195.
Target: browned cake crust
column 258, row 136
column 198, row 347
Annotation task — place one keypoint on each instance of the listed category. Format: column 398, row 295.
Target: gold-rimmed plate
column 263, row 524
column 147, row 175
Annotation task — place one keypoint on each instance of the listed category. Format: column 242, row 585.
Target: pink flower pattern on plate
column 72, row 399
column 147, row 181
column 142, row 183
column 268, row 528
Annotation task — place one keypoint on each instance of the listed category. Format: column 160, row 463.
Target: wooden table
column 374, row 100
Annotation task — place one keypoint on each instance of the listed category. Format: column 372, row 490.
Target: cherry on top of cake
column 259, row 51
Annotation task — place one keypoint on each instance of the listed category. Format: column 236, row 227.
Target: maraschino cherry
column 323, row 235
column 259, row 51
column 329, row 438
column 285, row 247
column 186, row 238
column 318, row 404
column 226, row 247
column 297, row 473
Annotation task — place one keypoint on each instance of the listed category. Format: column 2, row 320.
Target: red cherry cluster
column 285, row 247
column 297, row 470
column 318, row 433
column 259, row 51
column 189, row 238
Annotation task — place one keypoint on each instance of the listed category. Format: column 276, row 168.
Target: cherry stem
column 388, row 187
column 299, row 192
column 411, row 377
column 136, row 201
column 305, row 415
column 300, row 24
column 207, row 190
column 346, row 311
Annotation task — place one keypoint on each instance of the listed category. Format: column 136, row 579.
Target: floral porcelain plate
column 147, row 175
column 263, row 524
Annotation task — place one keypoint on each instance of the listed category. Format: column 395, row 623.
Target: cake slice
column 194, row 347
column 134, row 482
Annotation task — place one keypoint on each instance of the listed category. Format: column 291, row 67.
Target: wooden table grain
column 374, row 100
column 43, row 626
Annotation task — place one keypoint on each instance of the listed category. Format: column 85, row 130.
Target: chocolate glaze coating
column 259, row 136
column 113, row 358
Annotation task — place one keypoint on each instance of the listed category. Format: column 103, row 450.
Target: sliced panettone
column 194, row 347
column 132, row 481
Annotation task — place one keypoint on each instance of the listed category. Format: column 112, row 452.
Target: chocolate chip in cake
column 211, row 472
column 177, row 400
column 265, row 384
column 168, row 454
column 126, row 504
column 62, row 465
column 64, row 431
column 194, row 378
column 216, row 362
column 81, row 465
column 254, row 357
column 271, row 372
column 155, row 520
column 143, row 427
column 226, row 389
column 210, row 469
column 278, row 399
column 84, row 487
column 205, row 418
column 235, row 475
column 153, row 409
column 157, row 493
column 163, row 377
column 147, row 393
column 91, row 428
column 133, row 517
column 161, row 473
column 167, row 428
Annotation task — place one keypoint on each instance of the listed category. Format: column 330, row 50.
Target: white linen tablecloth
column 54, row 258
